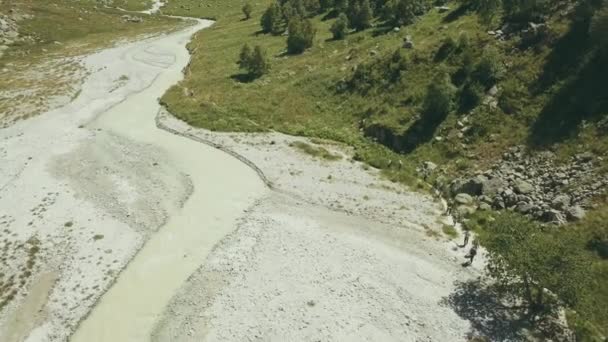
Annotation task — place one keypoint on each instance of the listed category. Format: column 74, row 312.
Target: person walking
column 472, row 252
column 467, row 236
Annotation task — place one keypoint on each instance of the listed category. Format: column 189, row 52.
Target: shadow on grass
column 243, row 78
column 481, row 305
column 455, row 14
column 582, row 98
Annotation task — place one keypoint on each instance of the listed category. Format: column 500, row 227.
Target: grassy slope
column 299, row 97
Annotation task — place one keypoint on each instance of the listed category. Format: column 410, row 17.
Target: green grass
column 315, row 151
column 450, row 231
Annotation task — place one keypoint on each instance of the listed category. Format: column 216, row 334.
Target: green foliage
column 254, row 62
column 380, row 74
column 301, row 35
column 439, row 98
column 599, row 27
column 511, row 97
column 359, row 14
column 450, row 231
column 339, row 27
column 247, row 9
column 404, row 12
column 490, row 68
column 525, row 260
column 272, row 19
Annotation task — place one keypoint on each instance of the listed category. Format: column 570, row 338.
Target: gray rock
column 523, row 207
column 443, row 9
column 473, row 186
column 561, row 202
column 430, row 165
column 492, row 187
column 575, row 213
column 465, row 210
column 523, row 187
column 408, row 43
column 463, row 198
column 485, row 206
column 553, row 216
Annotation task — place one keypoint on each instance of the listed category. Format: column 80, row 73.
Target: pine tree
column 272, row 19
column 301, row 35
column 338, row 28
column 247, row 9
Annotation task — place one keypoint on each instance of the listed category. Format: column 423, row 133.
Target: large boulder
column 575, row 213
column 492, row 187
column 561, row 202
column 463, row 199
column 553, row 216
column 472, row 186
column 523, row 187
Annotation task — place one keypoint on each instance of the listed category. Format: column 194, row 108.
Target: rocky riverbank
column 533, row 184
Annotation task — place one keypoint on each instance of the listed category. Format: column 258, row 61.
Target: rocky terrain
column 533, row 184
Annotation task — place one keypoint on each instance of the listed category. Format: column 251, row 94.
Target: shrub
column 439, row 98
column 445, row 50
column 471, row 96
column 338, row 28
column 301, row 35
column 599, row 27
column 254, row 62
column 272, row 19
column 404, row 12
column 489, row 69
column 359, row 14
column 247, row 9
column 510, row 99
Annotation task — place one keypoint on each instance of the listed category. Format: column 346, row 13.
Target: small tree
column 272, row 19
column 490, row 69
column 404, row 12
column 301, row 35
column 255, row 62
column 524, row 261
column 247, row 9
column 359, row 14
column 599, row 28
column 439, row 98
column 338, row 28
column 245, row 57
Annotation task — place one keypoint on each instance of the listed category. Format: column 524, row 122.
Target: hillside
column 446, row 91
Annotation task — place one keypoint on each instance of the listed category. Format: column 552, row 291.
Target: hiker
column 472, row 252
column 467, row 235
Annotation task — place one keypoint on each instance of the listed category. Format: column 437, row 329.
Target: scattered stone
column 408, row 43
column 523, row 187
column 463, row 198
column 575, row 213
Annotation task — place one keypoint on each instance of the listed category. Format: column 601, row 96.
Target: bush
column 510, row 99
column 359, row 14
column 272, row 19
column 254, row 62
column 445, row 50
column 404, row 12
column 489, row 69
column 471, row 95
column 247, row 9
column 338, row 28
column 301, row 35
column 599, row 27
column 439, row 98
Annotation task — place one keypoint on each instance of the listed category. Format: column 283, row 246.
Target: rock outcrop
column 535, row 185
